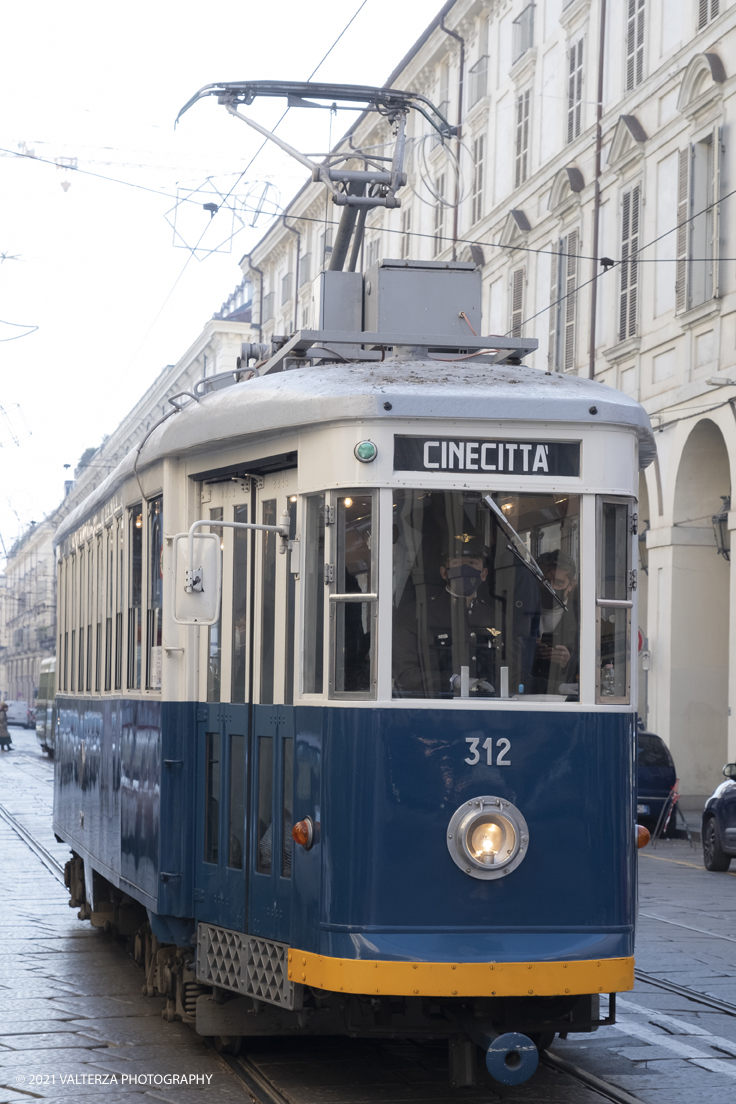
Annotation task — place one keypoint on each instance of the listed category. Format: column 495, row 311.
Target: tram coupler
column 511, row 1058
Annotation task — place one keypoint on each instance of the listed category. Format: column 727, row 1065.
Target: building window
column 521, row 170
column 478, row 83
column 523, row 32
column 325, row 246
column 574, row 90
column 374, row 251
column 438, row 243
column 476, row 198
column 405, row 232
column 305, row 269
column 518, row 281
column 286, row 282
column 630, row 214
column 563, row 304
column 707, row 12
column 635, row 43
column 268, row 310
column 698, row 188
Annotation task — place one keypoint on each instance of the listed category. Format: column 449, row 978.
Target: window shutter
column 405, row 231
column 517, row 301
column 522, row 138
column 439, row 215
column 575, row 90
column 683, row 174
column 571, row 269
column 715, row 194
column 630, row 214
column 634, row 43
column 702, row 14
column 477, row 197
column 554, row 309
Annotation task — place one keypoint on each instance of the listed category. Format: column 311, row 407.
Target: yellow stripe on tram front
column 461, row 979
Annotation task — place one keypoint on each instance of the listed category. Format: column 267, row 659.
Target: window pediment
column 566, row 186
column 700, row 83
column 628, row 141
column 515, row 229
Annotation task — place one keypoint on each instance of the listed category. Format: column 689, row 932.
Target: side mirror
column 730, row 770
column 197, row 604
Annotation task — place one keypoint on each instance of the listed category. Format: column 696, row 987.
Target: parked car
column 719, row 823
column 655, row 777
column 19, row 714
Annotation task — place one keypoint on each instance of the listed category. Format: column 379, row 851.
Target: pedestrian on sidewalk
column 5, row 744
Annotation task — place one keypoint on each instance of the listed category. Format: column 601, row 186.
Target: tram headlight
column 487, row 837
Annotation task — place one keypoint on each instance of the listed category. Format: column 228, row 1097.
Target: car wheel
column 714, row 858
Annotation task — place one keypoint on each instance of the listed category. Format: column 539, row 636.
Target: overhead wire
column 240, row 177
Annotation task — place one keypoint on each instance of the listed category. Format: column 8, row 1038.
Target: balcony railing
column 478, row 81
column 523, row 32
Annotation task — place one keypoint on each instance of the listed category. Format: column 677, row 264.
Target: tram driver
column 456, row 622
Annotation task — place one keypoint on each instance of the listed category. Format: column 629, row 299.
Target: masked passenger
column 445, row 624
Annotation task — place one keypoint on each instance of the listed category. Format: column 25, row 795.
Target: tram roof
column 430, row 389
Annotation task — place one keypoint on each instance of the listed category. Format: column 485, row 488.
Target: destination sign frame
column 498, row 456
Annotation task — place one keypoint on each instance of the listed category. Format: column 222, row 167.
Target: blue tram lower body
column 381, row 784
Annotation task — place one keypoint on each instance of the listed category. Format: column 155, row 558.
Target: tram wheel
column 714, row 857
column 227, row 1044
column 543, row 1040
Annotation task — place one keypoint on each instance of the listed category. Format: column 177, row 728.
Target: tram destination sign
column 467, row 454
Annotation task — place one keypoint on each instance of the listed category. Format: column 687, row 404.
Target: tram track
column 683, row 991
column 30, row 840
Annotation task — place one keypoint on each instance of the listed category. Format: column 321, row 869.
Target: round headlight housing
column 487, row 837
column 365, row 451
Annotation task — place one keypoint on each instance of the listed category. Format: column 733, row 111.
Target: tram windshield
column 486, row 595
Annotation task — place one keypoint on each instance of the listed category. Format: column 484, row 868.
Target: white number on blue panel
column 503, row 747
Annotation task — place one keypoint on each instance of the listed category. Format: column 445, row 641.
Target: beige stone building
column 560, row 162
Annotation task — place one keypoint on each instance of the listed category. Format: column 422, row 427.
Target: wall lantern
column 720, row 528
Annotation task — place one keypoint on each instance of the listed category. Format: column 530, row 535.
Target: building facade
column 560, row 163
column 27, row 612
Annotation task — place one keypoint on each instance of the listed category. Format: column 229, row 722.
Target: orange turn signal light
column 303, row 833
column 642, row 835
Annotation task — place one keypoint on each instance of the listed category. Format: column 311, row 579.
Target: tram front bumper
column 461, row 979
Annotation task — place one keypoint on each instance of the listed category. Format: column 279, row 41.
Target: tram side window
column 265, row 804
column 120, row 538
column 353, row 602
column 214, row 637
column 109, row 593
column 268, row 604
column 155, row 593
column 100, row 599
column 90, row 610
column 614, row 601
column 287, row 820
column 314, row 597
column 236, row 807
column 486, row 595
column 72, row 615
column 135, row 571
column 212, row 796
column 80, row 663
column 240, row 606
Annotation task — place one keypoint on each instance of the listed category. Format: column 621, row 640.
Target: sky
column 95, row 264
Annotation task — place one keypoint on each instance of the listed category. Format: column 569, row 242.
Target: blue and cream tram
column 345, row 686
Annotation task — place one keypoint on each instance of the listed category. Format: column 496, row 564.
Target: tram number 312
column 503, row 747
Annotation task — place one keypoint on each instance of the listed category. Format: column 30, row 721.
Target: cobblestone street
column 72, row 1007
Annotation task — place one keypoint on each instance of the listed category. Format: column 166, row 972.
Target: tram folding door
column 272, row 742
column 245, row 744
column 223, row 719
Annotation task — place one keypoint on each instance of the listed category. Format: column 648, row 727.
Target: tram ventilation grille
column 244, row 964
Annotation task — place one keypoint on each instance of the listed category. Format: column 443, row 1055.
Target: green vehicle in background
column 46, row 706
